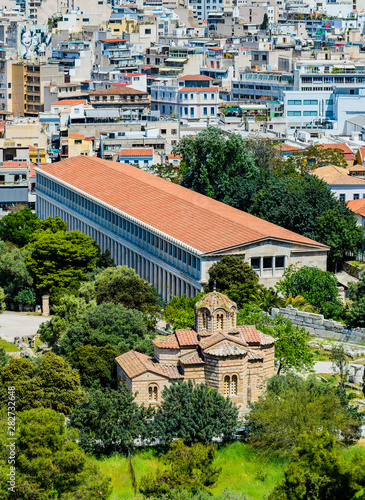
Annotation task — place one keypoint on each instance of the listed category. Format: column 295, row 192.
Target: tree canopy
column 195, row 414
column 230, row 271
column 14, row 273
column 49, row 383
column 293, row 406
column 59, row 261
column 108, row 323
column 48, row 463
column 18, row 227
column 110, row 421
column 318, row 287
column 356, row 314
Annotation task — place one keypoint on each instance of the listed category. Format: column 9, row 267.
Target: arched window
column 220, row 321
column 234, row 385
column 205, row 320
column 152, row 393
column 232, row 319
column 226, row 385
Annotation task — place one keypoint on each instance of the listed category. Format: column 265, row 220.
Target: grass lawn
column 243, row 470
column 8, row 346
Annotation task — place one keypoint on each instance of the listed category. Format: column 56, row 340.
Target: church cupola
column 215, row 313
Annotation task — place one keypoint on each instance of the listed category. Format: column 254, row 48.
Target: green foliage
column 4, row 358
column 167, row 171
column 113, row 324
column 179, row 312
column 48, row 462
column 293, row 406
column 49, row 383
column 104, row 259
column 267, row 298
column 339, row 362
column 26, row 296
column 122, row 285
column 291, row 350
column 96, row 365
column 191, row 469
column 195, row 414
column 59, row 261
column 356, row 315
column 212, row 161
column 230, row 271
column 14, row 274
column 110, row 421
column 242, row 294
column 53, row 224
column 319, row 472
column 341, row 233
column 18, row 227
column 68, row 310
column 265, row 23
column 2, row 300
column 318, row 287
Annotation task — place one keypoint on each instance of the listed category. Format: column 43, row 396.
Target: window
column 152, row 393
column 294, row 113
column 329, row 102
column 212, row 96
column 205, row 111
column 226, row 385
column 267, row 263
column 309, row 113
column 147, row 31
column 220, row 321
column 230, row 385
column 212, row 111
column 256, row 262
column 205, row 318
column 185, row 111
column 279, row 262
column 185, row 96
column 342, row 197
column 310, row 101
column 78, row 141
column 205, row 96
column 295, row 102
column 234, row 385
column 356, row 196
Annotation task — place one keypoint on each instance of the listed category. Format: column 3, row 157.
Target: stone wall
column 320, row 327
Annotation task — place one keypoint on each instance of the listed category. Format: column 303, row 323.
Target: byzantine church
column 236, row 360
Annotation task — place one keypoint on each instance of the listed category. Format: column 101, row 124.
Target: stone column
column 45, row 305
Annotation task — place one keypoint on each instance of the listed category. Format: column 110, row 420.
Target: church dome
column 215, row 300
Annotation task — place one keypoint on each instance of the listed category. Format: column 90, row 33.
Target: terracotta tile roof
column 287, row 147
column 342, row 145
column 215, row 300
column 12, row 164
column 266, row 339
column 357, row 168
column 199, row 89
column 174, row 157
column 189, row 217
column 127, row 152
column 187, row 337
column 249, row 334
column 135, row 363
column 357, row 206
column 118, row 90
column 195, row 77
column 254, row 355
column 225, row 348
column 69, row 102
column 77, row 136
column 219, row 337
column 361, row 151
column 191, row 358
column 335, row 176
column 169, row 342
column 113, row 40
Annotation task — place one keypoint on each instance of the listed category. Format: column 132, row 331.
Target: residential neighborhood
column 182, row 250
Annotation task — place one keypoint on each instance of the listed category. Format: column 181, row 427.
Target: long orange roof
column 189, row 217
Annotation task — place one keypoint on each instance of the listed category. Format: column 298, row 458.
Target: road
column 17, row 324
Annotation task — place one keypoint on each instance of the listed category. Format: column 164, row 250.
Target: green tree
column 291, row 350
column 293, row 406
column 211, row 161
column 96, row 365
column 53, row 224
column 194, row 413
column 267, row 298
column 341, row 233
column 108, row 323
column 2, row 300
column 179, row 312
column 104, row 259
column 14, row 274
column 68, row 310
column 26, row 296
column 110, row 421
column 50, row 383
column 48, row 462
column 190, row 468
column 122, row 285
column 318, row 287
column 265, row 23
column 230, row 271
column 18, row 227
column 339, row 362
column 4, row 358
column 356, row 315
column 167, row 171
column 319, row 472
column 59, row 261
